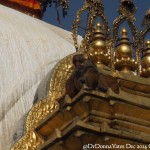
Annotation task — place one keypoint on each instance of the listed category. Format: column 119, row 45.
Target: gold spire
column 98, row 47
column 124, row 33
column 124, row 53
column 124, row 48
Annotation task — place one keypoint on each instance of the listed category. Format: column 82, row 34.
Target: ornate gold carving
column 59, row 77
column 30, row 141
column 124, row 54
column 44, row 107
column 112, row 54
column 76, row 24
column 125, row 61
column 98, row 51
column 96, row 9
column 64, row 68
column 127, row 11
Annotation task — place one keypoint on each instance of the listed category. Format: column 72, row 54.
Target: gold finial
column 95, row 9
column 98, row 52
column 124, row 48
column 124, row 32
column 147, row 44
column 98, row 27
column 124, row 53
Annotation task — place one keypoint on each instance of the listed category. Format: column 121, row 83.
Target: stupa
column 99, row 96
column 30, row 48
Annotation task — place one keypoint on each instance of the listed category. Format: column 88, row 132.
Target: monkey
column 91, row 77
column 74, row 83
column 86, row 73
column 78, row 60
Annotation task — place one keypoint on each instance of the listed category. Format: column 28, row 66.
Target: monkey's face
column 78, row 60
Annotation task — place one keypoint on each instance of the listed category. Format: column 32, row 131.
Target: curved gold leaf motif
column 30, row 141
column 128, row 15
column 58, row 80
column 40, row 110
column 95, row 9
column 76, row 24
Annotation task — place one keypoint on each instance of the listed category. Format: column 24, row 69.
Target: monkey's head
column 78, row 60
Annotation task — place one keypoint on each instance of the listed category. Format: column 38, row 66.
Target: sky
column 111, row 13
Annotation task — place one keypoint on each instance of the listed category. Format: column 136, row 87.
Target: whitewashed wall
column 29, row 49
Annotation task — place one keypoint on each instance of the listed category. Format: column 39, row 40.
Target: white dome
column 29, row 49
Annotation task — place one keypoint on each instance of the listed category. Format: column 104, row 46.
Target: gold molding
column 76, row 24
column 62, row 71
column 30, row 141
column 95, row 9
column 126, row 15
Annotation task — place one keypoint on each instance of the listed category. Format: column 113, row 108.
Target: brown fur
column 86, row 73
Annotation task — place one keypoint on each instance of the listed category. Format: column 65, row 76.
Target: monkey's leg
column 71, row 89
column 91, row 79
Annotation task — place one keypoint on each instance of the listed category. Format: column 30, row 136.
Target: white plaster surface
column 29, row 49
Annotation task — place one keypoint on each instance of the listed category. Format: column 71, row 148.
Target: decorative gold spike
column 98, row 52
column 76, row 23
column 124, row 32
column 96, row 10
column 124, row 48
column 124, row 54
column 127, row 11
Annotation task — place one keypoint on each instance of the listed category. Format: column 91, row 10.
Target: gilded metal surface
column 57, row 88
column 44, row 107
column 124, row 54
column 98, row 52
column 111, row 51
column 95, row 9
column 30, row 141
column 102, row 48
column 127, row 11
column 146, row 28
column 126, row 14
column 76, row 24
column 124, row 47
